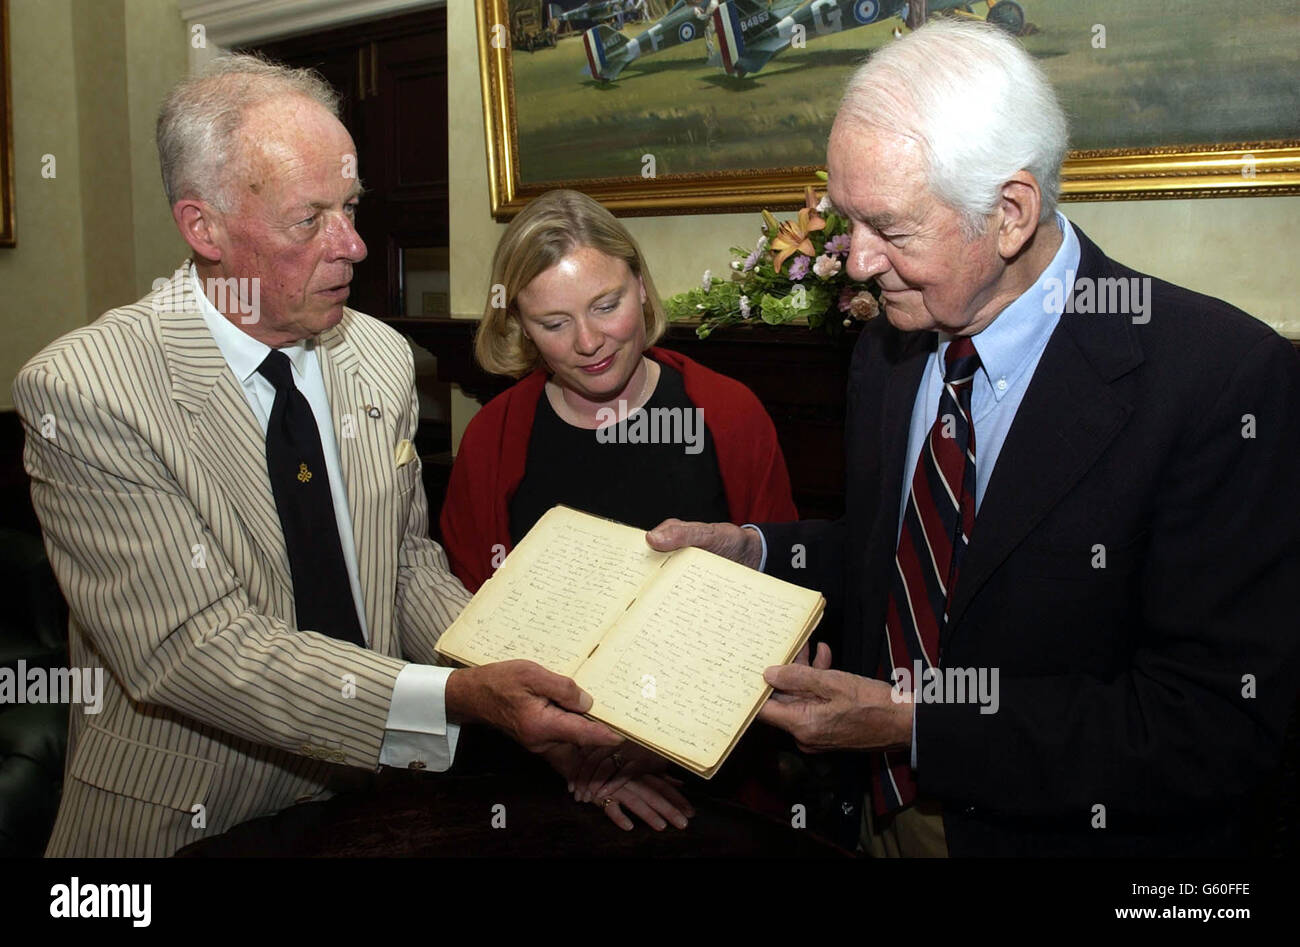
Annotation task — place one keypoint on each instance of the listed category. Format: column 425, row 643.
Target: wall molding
column 228, row 23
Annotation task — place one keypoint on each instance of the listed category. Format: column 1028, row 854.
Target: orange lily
column 793, row 236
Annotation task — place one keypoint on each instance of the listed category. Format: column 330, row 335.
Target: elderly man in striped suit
column 225, row 479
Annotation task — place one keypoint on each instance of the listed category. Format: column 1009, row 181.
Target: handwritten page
column 671, row 646
column 683, row 669
column 556, row 594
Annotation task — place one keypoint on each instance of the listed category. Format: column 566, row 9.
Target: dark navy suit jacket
column 1157, row 687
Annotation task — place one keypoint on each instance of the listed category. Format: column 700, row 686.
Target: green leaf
column 778, row 310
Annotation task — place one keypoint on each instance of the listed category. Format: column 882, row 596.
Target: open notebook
column 671, row 646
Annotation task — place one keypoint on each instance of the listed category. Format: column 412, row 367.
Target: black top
column 658, row 463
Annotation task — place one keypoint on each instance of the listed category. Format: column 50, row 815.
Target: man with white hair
column 1068, row 558
column 231, row 501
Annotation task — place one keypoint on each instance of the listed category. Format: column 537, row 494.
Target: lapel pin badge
column 372, row 411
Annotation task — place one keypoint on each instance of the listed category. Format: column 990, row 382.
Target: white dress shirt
column 417, row 733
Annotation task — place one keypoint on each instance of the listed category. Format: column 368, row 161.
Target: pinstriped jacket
column 149, row 477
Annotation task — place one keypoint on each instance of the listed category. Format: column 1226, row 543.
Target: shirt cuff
column 762, row 563
column 417, row 734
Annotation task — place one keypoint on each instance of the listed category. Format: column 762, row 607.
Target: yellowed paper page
column 556, row 594
column 683, row 669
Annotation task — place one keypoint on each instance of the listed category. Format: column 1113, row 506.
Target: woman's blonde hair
column 550, row 228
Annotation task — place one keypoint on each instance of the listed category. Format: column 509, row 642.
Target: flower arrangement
column 795, row 271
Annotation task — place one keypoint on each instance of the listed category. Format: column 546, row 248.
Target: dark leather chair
column 33, row 737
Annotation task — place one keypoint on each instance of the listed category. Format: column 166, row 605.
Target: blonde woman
column 579, row 318
column 575, row 316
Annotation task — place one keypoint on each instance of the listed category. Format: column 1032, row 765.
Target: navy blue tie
column 295, row 462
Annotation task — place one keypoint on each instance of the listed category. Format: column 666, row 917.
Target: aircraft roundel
column 866, row 11
column 687, row 32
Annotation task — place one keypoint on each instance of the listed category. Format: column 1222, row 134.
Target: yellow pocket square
column 405, row 452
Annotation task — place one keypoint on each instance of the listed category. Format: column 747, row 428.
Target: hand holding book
column 536, row 707
column 821, row 708
column 671, row 646
column 737, row 543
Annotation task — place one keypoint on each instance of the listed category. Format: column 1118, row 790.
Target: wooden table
column 409, row 814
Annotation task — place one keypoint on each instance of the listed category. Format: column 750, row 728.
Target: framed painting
column 7, row 238
column 690, row 106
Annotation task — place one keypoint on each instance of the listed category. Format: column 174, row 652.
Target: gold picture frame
column 1256, row 168
column 7, row 235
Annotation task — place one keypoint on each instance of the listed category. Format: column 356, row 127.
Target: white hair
column 977, row 103
column 199, row 122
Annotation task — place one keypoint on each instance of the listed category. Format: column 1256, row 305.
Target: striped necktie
column 936, row 531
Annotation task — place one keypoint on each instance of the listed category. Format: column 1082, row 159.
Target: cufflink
column 372, row 410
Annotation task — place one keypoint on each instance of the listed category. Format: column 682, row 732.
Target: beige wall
column 1238, row 249
column 1241, row 250
column 157, row 48
column 42, row 283
column 474, row 233
column 87, row 76
column 98, row 39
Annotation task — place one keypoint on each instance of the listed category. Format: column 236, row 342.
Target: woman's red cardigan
column 490, row 464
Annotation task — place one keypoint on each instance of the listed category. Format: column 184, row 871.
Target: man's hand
column 725, row 539
column 833, row 710
column 821, row 663
column 531, row 704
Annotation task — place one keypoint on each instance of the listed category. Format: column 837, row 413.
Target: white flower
column 824, row 205
column 744, row 306
column 735, row 264
column 762, row 245
column 826, row 266
column 707, row 281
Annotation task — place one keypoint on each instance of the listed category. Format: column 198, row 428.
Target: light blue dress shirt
column 1009, row 348
column 417, row 729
